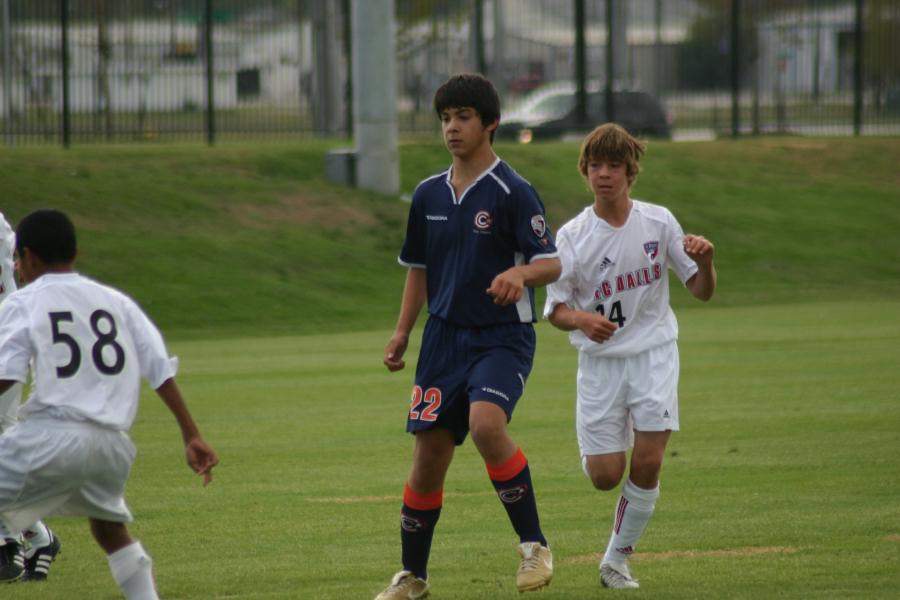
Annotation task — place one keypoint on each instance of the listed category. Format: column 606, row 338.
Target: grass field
column 782, row 484
column 278, row 291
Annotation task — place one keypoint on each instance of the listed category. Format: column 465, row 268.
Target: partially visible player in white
column 9, row 400
column 30, row 560
column 90, row 345
column 613, row 296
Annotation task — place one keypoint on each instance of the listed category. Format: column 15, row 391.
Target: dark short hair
column 472, row 90
column 48, row 234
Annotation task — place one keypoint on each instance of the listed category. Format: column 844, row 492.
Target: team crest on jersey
column 651, row 249
column 538, row 225
column 483, row 220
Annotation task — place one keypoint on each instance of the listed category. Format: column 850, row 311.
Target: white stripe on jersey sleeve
column 523, row 306
column 410, row 265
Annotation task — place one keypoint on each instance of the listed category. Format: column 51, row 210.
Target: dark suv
column 638, row 112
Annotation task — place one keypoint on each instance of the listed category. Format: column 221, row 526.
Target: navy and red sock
column 512, row 480
column 418, row 517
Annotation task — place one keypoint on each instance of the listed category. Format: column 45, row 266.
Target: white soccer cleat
column 404, row 586
column 536, row 569
column 616, row 576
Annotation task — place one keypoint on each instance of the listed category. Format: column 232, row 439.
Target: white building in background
column 807, row 51
column 157, row 66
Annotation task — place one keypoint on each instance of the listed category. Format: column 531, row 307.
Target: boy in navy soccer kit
column 476, row 243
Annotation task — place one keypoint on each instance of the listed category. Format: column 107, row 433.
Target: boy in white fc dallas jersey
column 90, row 345
column 613, row 296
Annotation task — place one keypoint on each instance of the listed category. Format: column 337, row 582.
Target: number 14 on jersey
column 615, row 313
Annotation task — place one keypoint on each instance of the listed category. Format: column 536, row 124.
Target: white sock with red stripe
column 633, row 511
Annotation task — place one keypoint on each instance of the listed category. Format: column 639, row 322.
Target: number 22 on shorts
column 431, row 398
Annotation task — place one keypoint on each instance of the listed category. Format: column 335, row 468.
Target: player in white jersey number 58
column 89, row 345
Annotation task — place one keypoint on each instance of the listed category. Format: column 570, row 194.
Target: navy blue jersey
column 463, row 243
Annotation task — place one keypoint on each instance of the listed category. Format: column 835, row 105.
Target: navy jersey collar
column 484, row 174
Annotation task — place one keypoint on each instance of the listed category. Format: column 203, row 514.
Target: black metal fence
column 76, row 71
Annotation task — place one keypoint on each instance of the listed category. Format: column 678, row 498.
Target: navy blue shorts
column 460, row 365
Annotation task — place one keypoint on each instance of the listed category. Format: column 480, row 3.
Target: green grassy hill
column 251, row 239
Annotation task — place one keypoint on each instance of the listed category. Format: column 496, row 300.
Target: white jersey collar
column 57, row 276
column 601, row 222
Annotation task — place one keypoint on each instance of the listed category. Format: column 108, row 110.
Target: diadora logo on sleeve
column 491, row 390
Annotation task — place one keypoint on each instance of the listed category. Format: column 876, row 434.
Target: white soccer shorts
column 63, row 468
column 616, row 396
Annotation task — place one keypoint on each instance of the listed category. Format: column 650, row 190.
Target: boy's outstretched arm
column 509, row 286
column 200, row 456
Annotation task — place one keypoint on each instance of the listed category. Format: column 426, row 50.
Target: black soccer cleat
column 12, row 560
column 38, row 566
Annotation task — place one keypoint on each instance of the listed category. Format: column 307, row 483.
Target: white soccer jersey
column 90, row 343
column 9, row 400
column 7, row 264
column 621, row 273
